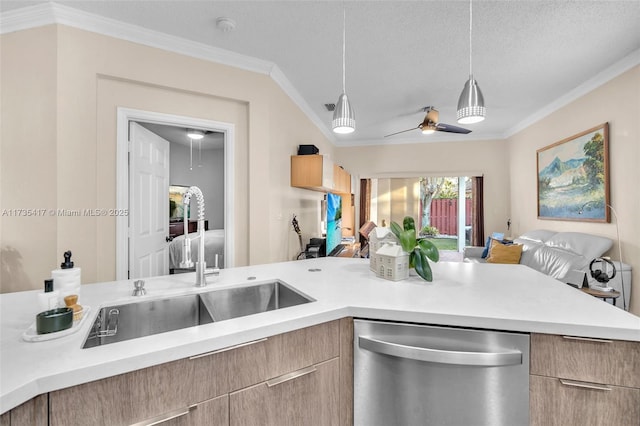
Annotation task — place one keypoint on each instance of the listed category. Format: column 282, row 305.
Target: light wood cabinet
column 30, row 413
column 341, row 180
column 308, row 396
column 581, row 381
column 196, row 390
column 318, row 173
column 563, row 402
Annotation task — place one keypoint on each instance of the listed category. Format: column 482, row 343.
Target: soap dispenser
column 66, row 280
column 49, row 298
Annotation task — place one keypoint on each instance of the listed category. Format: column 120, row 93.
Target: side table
column 604, row 295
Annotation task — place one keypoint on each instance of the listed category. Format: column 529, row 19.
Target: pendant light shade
column 344, row 120
column 471, row 103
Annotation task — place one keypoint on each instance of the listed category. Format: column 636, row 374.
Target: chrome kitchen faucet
column 186, row 243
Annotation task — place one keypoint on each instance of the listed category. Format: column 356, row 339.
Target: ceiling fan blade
column 403, row 131
column 442, row 127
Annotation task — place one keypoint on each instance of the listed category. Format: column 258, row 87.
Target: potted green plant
column 420, row 250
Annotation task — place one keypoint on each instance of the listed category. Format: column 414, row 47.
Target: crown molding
column 54, row 13
column 593, row 83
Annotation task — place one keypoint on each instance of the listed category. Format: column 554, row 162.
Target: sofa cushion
column 554, row 261
column 539, row 235
column 504, row 253
column 529, row 247
column 587, row 245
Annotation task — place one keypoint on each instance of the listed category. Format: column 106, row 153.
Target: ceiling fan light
column 471, row 103
column 428, row 131
column 195, row 134
column 344, row 120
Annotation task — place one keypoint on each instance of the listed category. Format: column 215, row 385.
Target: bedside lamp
column 615, row 214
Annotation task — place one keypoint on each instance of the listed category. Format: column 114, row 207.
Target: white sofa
column 553, row 253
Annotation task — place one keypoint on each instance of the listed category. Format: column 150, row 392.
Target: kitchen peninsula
column 489, row 296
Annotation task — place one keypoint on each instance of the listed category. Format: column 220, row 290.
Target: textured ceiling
column 404, row 55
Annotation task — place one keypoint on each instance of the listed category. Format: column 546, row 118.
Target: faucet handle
column 139, row 288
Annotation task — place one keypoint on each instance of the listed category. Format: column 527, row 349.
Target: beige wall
column 60, row 90
column 616, row 102
column 472, row 158
column 28, row 177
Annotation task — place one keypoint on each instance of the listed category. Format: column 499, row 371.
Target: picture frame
column 573, row 177
column 176, row 207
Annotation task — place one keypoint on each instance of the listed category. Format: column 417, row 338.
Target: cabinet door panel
column 311, row 399
column 590, row 360
column 248, row 365
column 307, row 171
column 553, row 403
column 292, row 351
column 207, row 376
column 126, row 398
column 31, row 413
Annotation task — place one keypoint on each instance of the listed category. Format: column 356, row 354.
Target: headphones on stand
column 598, row 274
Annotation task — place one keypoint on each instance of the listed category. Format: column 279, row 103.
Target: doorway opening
column 221, row 218
column 443, row 208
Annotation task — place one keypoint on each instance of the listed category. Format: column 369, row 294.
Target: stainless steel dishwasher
column 410, row 375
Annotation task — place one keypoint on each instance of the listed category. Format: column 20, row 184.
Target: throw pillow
column 496, row 236
column 503, row 253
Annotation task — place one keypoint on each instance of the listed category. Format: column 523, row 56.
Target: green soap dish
column 54, row 320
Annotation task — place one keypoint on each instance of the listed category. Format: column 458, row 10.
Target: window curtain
column 477, row 212
column 365, row 205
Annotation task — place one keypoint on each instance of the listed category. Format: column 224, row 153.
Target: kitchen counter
column 488, row 296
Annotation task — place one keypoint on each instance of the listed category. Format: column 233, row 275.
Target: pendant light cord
column 344, row 48
column 470, row 38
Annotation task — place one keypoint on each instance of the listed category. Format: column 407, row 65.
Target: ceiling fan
column 430, row 124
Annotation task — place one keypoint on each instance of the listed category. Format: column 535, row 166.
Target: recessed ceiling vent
column 330, row 107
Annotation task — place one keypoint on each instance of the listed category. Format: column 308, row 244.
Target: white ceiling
column 404, row 55
column 211, row 140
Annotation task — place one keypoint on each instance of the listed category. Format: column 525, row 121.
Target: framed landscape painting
column 176, row 208
column 573, row 177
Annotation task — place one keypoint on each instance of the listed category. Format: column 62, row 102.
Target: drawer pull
column 587, row 339
column 230, row 348
column 167, row 416
column 291, row 376
column 584, row 385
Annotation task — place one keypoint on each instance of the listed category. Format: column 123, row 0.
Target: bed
column 213, row 244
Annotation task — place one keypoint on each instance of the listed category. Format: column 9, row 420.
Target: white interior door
column 148, row 203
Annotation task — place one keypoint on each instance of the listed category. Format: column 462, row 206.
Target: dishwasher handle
column 484, row 359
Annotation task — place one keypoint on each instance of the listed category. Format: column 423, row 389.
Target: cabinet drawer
column 306, row 397
column 591, row 360
column 283, row 353
column 575, row 403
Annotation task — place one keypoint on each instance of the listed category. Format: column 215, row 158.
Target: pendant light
column 197, row 135
column 471, row 103
column 343, row 118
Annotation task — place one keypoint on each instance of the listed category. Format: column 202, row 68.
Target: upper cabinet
column 318, row 173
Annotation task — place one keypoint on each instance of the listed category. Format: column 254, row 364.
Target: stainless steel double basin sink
column 138, row 319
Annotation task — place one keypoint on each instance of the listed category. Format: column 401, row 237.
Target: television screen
column 334, row 221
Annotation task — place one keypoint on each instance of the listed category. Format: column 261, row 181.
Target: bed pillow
column 504, row 253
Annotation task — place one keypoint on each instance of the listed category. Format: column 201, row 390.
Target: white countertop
column 490, row 296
